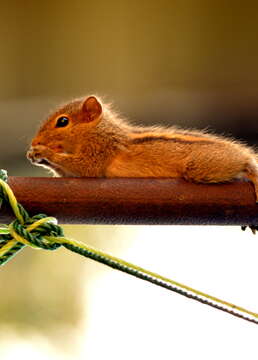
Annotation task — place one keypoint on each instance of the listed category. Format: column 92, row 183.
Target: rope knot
column 36, row 231
column 39, row 231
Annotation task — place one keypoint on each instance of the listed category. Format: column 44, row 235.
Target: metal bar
column 135, row 201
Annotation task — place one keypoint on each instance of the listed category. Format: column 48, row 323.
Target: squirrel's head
column 64, row 130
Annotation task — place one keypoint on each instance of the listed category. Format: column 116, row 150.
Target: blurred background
column 190, row 63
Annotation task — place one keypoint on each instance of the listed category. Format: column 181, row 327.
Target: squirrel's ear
column 92, row 108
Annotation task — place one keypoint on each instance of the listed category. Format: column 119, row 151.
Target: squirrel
column 87, row 138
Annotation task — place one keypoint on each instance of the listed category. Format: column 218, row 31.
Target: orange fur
column 98, row 143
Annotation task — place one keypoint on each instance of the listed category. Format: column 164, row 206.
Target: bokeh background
column 190, row 63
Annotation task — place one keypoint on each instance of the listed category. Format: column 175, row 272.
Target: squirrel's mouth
column 36, row 159
column 42, row 162
column 46, row 164
column 57, row 171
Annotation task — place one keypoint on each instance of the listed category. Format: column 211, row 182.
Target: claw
column 253, row 228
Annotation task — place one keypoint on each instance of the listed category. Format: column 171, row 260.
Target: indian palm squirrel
column 87, row 138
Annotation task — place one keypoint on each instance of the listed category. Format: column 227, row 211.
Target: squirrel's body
column 85, row 138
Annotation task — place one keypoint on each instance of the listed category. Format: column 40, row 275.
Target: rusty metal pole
column 135, row 201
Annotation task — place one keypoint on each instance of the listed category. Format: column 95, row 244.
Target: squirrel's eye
column 62, row 121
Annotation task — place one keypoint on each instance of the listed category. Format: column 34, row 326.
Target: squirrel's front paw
column 253, row 228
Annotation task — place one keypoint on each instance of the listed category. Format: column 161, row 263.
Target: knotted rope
column 42, row 232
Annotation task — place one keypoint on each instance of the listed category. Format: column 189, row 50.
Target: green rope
column 42, row 232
